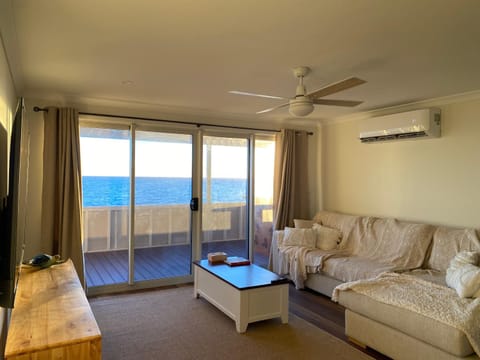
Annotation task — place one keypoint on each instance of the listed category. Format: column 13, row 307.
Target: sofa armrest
column 277, row 238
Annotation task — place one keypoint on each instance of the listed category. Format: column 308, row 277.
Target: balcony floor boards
column 111, row 267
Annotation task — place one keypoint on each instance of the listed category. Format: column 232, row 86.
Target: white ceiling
column 185, row 55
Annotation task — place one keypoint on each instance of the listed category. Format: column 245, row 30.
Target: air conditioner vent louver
column 394, row 137
column 412, row 135
column 416, row 124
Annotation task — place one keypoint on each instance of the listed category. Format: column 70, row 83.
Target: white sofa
column 372, row 246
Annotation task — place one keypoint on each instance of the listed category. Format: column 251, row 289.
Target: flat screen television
column 11, row 244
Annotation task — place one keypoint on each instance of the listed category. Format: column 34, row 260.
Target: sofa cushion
column 351, row 268
column 434, row 276
column 447, row 242
column 303, row 224
column 386, row 240
column 344, row 223
column 463, row 274
column 418, row 326
column 465, row 281
column 327, row 238
column 299, row 237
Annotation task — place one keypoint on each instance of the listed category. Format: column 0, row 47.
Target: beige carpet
column 171, row 324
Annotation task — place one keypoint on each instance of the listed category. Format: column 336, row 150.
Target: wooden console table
column 52, row 318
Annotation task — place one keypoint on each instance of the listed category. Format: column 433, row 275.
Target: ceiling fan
column 302, row 103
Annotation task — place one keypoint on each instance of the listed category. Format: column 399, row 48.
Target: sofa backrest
column 343, row 222
column 408, row 245
column 403, row 244
column 447, row 242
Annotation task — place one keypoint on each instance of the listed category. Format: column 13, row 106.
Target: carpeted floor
column 171, row 324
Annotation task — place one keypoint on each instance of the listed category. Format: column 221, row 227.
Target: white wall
column 433, row 180
column 8, row 101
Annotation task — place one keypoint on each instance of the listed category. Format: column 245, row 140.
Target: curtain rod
column 37, row 109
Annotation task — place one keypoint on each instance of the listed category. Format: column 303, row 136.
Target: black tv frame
column 11, row 248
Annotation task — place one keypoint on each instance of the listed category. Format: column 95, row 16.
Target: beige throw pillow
column 299, row 237
column 463, row 275
column 303, row 224
column 326, row 238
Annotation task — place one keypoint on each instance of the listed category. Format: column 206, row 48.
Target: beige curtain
column 290, row 192
column 61, row 198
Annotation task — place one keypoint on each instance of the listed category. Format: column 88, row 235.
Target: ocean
column 115, row 190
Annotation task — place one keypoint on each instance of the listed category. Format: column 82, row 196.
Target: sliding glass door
column 264, row 159
column 137, row 186
column 163, row 189
column 237, row 196
column 225, row 195
column 105, row 155
column 138, row 183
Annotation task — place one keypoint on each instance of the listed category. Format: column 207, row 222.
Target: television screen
column 10, row 244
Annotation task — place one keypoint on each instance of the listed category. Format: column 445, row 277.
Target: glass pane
column 105, row 156
column 263, row 206
column 163, row 189
column 225, row 194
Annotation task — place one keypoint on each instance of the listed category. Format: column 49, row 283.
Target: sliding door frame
column 236, row 134
column 194, row 215
column 197, row 135
column 131, row 212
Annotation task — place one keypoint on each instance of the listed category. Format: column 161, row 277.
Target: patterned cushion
column 447, row 242
column 299, row 237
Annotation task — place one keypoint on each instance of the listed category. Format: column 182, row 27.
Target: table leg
column 241, row 327
column 242, row 314
column 284, row 306
column 195, row 283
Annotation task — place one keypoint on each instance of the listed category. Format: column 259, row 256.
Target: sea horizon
column 115, row 190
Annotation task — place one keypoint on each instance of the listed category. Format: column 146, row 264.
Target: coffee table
column 246, row 293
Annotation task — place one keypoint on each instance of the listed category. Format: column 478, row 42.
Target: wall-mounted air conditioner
column 417, row 124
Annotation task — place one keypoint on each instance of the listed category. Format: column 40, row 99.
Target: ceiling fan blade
column 336, row 87
column 336, row 102
column 257, row 95
column 271, row 109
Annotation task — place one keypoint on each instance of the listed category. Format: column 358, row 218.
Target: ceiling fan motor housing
column 300, row 106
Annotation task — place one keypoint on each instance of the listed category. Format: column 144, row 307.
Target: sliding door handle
column 194, row 204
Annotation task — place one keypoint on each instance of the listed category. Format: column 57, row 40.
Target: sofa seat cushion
column 322, row 283
column 434, row 276
column 351, row 268
column 413, row 324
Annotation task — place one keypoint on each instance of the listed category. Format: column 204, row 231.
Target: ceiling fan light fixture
column 301, row 106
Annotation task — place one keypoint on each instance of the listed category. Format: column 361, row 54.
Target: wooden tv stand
column 52, row 318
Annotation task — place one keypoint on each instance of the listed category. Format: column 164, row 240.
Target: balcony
column 163, row 241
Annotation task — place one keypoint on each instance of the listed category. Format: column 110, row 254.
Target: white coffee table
column 245, row 293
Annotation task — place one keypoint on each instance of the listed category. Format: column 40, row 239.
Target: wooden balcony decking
column 111, row 267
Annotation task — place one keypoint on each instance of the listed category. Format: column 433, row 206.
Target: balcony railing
column 106, row 228
column 162, row 239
